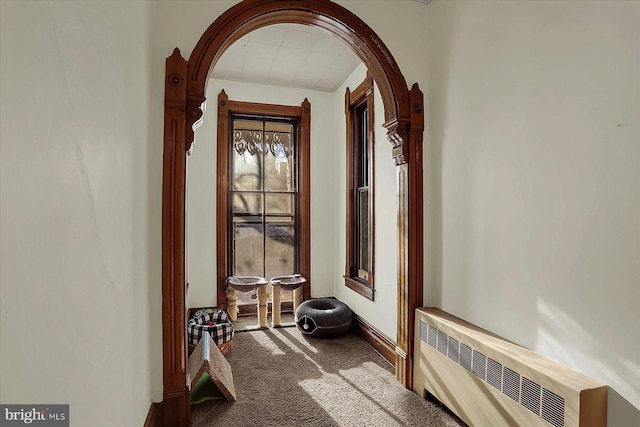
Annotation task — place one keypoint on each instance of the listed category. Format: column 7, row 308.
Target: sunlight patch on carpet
column 300, row 341
column 370, row 370
column 295, row 346
column 323, row 390
column 271, row 346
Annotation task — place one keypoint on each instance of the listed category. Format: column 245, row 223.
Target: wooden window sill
column 363, row 288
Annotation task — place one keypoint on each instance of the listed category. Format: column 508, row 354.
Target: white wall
column 531, row 185
column 75, row 273
column 202, row 186
column 382, row 311
column 535, row 125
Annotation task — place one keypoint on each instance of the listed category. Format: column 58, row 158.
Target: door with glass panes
column 263, row 195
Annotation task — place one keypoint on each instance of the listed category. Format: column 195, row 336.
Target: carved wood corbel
column 397, row 136
column 194, row 118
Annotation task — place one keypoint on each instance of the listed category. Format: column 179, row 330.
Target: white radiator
column 488, row 381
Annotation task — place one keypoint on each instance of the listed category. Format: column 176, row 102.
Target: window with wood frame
column 263, row 196
column 263, row 191
column 359, row 270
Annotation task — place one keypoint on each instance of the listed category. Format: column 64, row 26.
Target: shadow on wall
column 620, row 412
column 578, row 344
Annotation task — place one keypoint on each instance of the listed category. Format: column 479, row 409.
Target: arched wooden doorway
column 185, row 88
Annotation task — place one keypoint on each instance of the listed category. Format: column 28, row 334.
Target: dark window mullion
column 264, row 205
column 231, row 225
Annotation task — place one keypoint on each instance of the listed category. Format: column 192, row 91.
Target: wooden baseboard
column 154, row 416
column 382, row 344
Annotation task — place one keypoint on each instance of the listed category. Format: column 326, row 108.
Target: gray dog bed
column 323, row 318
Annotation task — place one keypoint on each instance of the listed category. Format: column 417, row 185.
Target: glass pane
column 278, row 159
column 248, row 219
column 278, row 127
column 362, row 147
column 279, row 220
column 279, row 250
column 363, row 229
column 247, row 155
column 279, row 204
column 247, row 203
column 247, row 124
column 248, row 250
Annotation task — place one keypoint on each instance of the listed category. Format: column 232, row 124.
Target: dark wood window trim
column 358, row 102
column 302, row 114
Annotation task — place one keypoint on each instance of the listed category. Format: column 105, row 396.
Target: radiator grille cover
column 511, row 384
column 442, row 342
column 454, row 349
column 433, row 336
column 479, row 365
column 530, row 398
column 494, row 373
column 487, row 380
column 465, row 356
column 552, row 408
column 540, row 401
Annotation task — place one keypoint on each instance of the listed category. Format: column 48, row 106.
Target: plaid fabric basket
column 221, row 330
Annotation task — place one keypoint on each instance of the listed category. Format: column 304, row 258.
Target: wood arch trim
column 250, row 15
column 185, row 86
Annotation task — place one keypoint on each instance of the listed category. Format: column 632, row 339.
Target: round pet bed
column 214, row 321
column 323, row 318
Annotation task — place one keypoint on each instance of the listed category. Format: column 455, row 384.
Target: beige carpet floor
column 250, row 323
column 283, row 378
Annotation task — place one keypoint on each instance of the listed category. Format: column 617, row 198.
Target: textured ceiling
column 288, row 55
